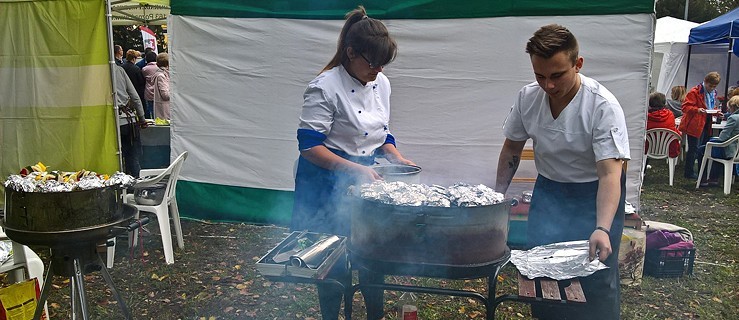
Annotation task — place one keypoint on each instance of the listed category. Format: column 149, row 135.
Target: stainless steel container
column 399, row 172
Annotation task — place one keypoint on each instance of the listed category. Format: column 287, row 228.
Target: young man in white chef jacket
column 580, row 142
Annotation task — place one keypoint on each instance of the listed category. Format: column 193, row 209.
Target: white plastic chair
column 728, row 163
column 166, row 209
column 24, row 258
column 659, row 141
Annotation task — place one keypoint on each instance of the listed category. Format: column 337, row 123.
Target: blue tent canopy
column 722, row 29
column 722, row 32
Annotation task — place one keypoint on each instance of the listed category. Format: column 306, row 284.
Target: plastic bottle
column 407, row 309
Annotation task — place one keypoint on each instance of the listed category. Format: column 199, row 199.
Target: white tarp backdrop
column 238, row 89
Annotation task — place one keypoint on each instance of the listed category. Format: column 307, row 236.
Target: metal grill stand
column 454, row 272
column 74, row 262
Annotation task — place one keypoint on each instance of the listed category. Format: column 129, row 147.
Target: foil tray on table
column 303, row 254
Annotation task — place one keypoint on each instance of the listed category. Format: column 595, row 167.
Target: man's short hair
column 552, row 39
column 657, row 101
column 118, row 49
column 713, row 78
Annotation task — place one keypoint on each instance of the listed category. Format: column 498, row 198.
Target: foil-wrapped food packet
column 558, row 261
column 403, row 194
column 54, row 182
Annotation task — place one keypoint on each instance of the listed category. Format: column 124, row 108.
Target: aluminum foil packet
column 58, row 181
column 404, row 194
column 558, row 261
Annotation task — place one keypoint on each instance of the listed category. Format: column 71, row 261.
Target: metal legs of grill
column 75, row 268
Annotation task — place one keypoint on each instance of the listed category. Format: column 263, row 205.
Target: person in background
column 695, row 124
column 731, row 130
column 161, row 87
column 142, row 63
column 149, row 70
column 580, row 143
column 675, row 103
column 660, row 117
column 131, row 114
column 118, row 55
column 135, row 75
column 344, row 125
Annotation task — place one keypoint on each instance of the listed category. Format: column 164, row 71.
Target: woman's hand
column 366, row 174
column 402, row 160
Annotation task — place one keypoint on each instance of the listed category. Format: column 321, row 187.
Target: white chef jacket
column 354, row 117
column 591, row 128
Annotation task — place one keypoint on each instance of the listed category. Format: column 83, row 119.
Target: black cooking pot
column 62, row 211
column 432, row 235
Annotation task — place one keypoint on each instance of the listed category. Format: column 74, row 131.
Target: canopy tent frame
column 712, row 33
column 111, row 63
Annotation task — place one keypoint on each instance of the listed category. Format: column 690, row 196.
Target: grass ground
column 214, row 277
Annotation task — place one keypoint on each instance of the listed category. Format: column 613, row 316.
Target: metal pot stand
column 74, row 254
column 454, row 272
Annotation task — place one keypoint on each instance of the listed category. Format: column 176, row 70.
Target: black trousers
column 131, row 148
column 330, row 295
column 566, row 212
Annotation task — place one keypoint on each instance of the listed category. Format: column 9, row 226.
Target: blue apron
column 321, row 204
column 566, row 212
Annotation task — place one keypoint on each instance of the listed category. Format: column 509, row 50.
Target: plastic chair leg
column 700, row 173
column 175, row 214
column 164, row 227
column 671, row 165
column 728, row 177
column 708, row 171
column 110, row 254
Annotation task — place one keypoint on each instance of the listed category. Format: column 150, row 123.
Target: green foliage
column 698, row 10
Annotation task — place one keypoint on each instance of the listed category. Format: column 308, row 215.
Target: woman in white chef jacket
column 343, row 127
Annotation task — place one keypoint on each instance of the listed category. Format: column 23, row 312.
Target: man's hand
column 142, row 124
column 599, row 240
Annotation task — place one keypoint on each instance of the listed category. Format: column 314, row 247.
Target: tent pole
column 687, row 66
column 111, row 63
column 728, row 70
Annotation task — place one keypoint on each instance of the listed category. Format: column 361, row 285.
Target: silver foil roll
column 313, row 256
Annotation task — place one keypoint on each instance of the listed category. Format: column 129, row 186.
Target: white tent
column 238, row 73
column 670, row 53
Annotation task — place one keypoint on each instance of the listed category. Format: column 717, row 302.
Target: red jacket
column 664, row 118
column 693, row 121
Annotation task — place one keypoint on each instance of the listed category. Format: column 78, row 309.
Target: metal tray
column 268, row 267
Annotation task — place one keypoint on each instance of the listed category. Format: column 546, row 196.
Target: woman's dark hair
column 150, row 56
column 367, row 36
column 552, row 39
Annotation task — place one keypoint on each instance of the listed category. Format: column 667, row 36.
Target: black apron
column 565, row 212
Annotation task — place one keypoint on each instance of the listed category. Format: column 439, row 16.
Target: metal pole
column 728, row 70
column 111, row 62
column 686, row 10
column 687, row 67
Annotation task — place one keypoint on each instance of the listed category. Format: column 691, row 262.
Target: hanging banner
column 150, row 39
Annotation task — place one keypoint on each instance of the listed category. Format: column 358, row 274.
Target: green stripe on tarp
column 229, row 203
column 406, row 9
